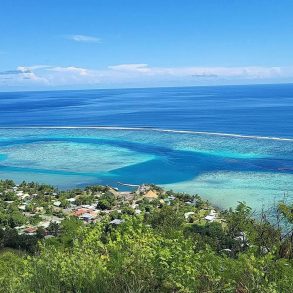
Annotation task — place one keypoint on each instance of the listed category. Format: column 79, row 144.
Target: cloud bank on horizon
column 123, row 75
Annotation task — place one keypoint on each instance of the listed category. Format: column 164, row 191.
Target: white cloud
column 38, row 66
column 141, row 75
column 71, row 69
column 131, row 67
column 84, row 38
column 27, row 73
column 244, row 72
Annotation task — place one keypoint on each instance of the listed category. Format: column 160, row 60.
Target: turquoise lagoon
column 224, row 169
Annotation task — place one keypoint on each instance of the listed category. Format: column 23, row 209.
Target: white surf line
column 154, row 129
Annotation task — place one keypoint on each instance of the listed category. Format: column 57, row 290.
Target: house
column 213, row 212
column 169, row 199
column 44, row 224
column 86, row 217
column 19, row 229
column 94, row 213
column 57, row 203
column 52, row 219
column 188, row 214
column 80, row 211
column 25, row 195
column 116, row 222
column 22, row 207
column 39, row 209
column 71, row 200
column 30, row 230
column 210, row 218
column 151, row 195
column 19, row 193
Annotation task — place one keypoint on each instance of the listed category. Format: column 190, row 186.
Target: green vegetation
column 106, row 201
column 168, row 246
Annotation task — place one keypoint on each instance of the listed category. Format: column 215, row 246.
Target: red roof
column 80, row 211
column 30, row 230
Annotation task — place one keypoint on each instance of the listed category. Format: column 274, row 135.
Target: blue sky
column 125, row 43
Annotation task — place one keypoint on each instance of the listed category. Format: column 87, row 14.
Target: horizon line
column 143, row 87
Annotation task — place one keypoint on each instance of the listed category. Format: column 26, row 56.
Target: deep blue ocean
column 265, row 110
column 254, row 165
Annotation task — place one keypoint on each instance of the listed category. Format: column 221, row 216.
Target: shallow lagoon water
column 223, row 169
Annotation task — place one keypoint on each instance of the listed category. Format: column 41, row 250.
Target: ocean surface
column 228, row 143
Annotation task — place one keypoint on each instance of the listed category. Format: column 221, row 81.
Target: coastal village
column 44, row 207
column 86, row 228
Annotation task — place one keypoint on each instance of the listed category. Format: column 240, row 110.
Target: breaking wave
column 156, row 130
